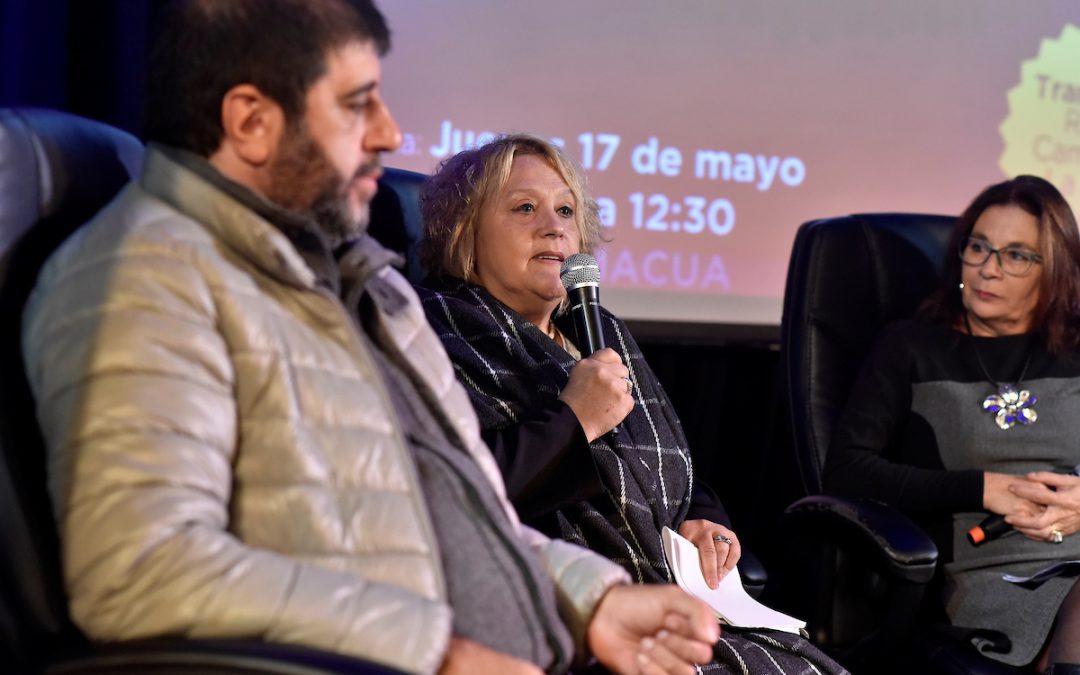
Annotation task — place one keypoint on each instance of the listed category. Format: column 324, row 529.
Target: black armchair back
column 848, row 278
column 54, row 176
column 862, row 568
column 395, row 217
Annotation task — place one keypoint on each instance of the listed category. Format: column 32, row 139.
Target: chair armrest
column 222, row 657
column 906, row 551
column 753, row 574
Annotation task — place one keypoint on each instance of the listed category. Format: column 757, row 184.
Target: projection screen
column 711, row 129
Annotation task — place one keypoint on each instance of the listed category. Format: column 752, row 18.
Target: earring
column 961, row 285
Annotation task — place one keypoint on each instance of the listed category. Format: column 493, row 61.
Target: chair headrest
column 56, row 171
column 848, row 277
column 395, row 217
column 54, row 164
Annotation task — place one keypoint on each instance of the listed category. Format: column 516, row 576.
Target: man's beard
column 303, row 180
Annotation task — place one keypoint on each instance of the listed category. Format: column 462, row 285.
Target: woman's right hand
column 997, row 497
column 598, row 393
column 1060, row 494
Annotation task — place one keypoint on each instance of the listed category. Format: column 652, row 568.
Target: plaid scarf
column 510, row 367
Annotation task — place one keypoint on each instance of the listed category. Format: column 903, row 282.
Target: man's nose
column 383, row 135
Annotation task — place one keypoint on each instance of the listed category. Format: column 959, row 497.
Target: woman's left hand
column 718, row 557
column 1060, row 493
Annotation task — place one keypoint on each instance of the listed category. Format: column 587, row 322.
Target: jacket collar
column 284, row 244
column 168, row 174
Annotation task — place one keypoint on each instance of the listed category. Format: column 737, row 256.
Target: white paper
column 730, row 601
column 1064, row 567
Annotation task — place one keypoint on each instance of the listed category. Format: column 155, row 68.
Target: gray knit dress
column 915, row 435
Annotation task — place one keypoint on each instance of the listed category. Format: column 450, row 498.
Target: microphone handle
column 991, row 527
column 585, row 310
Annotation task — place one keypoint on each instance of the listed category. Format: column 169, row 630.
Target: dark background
column 87, row 57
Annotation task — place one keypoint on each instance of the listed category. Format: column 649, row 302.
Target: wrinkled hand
column 1059, row 497
column 652, row 629
column 597, row 393
column 999, row 497
column 717, row 557
column 465, row 657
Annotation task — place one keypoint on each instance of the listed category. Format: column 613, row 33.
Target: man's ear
column 252, row 123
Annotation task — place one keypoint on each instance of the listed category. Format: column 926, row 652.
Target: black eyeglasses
column 1012, row 260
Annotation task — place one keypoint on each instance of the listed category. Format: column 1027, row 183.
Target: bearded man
column 252, row 430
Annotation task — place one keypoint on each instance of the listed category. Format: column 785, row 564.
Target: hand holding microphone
column 1015, row 495
column 599, row 390
column 1058, row 494
column 597, row 393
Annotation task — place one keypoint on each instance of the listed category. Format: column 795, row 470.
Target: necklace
column 1011, row 404
column 554, row 334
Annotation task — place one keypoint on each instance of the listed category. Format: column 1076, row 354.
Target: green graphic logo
column 1042, row 130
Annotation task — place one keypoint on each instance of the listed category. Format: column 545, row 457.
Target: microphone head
column 579, row 269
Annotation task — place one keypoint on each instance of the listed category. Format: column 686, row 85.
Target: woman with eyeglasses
column 973, row 409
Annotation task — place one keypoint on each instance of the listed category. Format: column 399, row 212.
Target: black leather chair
column 56, row 171
column 395, row 217
column 865, row 573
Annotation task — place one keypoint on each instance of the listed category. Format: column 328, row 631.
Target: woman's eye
column 978, row 247
column 1016, row 254
column 565, row 212
column 525, row 208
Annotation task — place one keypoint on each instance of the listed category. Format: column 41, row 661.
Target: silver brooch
column 1011, row 406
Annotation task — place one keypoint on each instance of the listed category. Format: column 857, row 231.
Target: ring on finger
column 629, row 386
column 1056, row 537
column 722, row 539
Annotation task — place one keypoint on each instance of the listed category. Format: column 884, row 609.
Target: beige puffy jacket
column 223, row 459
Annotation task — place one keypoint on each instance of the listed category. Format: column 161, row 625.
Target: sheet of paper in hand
column 1066, row 568
column 729, row 600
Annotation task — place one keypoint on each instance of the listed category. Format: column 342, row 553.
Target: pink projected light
column 710, row 131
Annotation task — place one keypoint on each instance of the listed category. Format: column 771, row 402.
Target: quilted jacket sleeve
column 134, row 385
column 581, row 576
column 581, row 579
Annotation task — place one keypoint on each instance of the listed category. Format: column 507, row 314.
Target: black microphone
column 581, row 278
column 991, row 527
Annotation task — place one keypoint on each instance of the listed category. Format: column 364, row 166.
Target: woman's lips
column 553, row 258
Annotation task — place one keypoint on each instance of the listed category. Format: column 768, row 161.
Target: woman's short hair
column 1057, row 314
column 451, row 201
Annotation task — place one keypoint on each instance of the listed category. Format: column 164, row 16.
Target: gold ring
column 629, row 386
column 1056, row 537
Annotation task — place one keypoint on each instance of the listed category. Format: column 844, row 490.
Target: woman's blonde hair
column 452, row 200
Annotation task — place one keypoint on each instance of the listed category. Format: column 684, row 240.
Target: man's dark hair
column 204, row 48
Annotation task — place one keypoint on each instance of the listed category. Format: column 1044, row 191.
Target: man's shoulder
column 133, row 219
column 135, row 240
column 134, row 225
column 141, row 217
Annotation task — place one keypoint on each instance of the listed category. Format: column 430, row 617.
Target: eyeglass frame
column 1030, row 256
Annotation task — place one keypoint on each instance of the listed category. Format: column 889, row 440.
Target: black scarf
column 509, row 367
